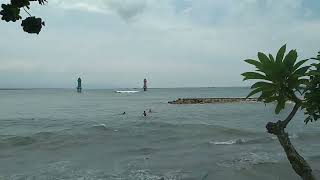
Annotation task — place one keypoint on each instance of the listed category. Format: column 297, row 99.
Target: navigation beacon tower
column 145, row 85
column 79, row 87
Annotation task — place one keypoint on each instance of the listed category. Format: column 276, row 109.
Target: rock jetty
column 211, row 100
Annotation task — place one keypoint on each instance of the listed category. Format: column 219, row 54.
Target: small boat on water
column 126, row 91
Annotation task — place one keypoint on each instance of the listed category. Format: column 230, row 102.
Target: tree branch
column 290, row 116
column 278, row 127
column 26, row 11
column 298, row 163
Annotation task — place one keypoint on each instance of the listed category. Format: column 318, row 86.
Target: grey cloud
column 127, row 9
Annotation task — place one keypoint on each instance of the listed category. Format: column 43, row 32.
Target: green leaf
column 308, row 119
column 254, row 92
column 303, row 81
column 270, row 99
column 301, row 71
column 281, row 53
column 257, row 64
column 271, row 58
column 281, row 104
column 290, row 59
column 296, row 66
column 253, row 75
column 263, row 58
column 262, row 84
column 266, row 94
column 313, row 73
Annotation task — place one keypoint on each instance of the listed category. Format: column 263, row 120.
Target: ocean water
column 58, row 134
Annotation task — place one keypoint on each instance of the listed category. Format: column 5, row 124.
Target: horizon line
column 31, row 88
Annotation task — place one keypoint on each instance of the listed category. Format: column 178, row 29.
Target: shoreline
column 218, row 100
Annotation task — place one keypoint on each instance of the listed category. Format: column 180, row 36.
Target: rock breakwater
column 211, row 100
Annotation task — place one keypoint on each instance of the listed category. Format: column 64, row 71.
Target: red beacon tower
column 145, row 85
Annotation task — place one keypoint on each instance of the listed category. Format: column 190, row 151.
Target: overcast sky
column 173, row 43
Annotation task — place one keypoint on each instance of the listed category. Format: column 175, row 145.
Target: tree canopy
column 282, row 78
column 11, row 13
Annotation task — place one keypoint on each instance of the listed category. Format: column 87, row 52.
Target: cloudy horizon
column 172, row 43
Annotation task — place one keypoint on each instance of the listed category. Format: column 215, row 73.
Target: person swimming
column 144, row 113
column 123, row 113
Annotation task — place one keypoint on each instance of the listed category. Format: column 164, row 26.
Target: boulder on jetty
column 211, row 100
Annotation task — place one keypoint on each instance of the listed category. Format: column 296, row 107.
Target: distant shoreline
column 13, row 89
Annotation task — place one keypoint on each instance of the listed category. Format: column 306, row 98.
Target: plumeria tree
column 283, row 79
column 11, row 13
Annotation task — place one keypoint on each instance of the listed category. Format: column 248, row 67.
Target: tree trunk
column 298, row 163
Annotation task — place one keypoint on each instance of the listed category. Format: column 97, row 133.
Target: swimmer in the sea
column 144, row 113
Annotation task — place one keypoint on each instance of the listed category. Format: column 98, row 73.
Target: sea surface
column 58, row 134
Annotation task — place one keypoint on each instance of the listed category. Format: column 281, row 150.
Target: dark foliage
column 284, row 79
column 32, row 25
column 312, row 92
column 11, row 13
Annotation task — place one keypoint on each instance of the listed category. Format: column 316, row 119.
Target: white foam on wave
column 257, row 158
column 101, row 125
column 104, row 125
column 230, row 142
column 292, row 136
column 245, row 160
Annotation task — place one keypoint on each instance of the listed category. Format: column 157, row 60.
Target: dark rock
column 211, row 100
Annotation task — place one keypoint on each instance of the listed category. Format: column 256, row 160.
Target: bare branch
column 290, row 116
column 26, row 11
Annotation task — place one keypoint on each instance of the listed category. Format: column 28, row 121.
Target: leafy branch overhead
column 312, row 94
column 11, row 13
column 282, row 78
